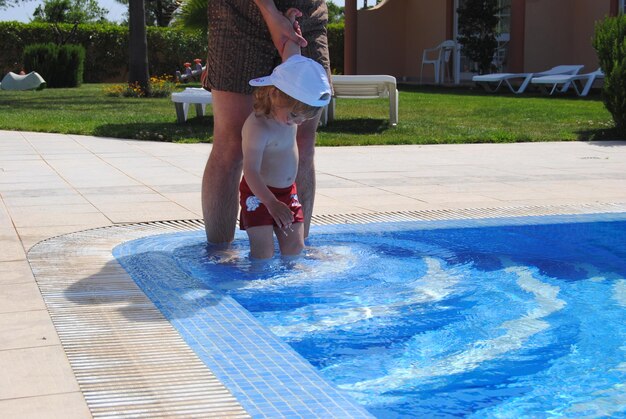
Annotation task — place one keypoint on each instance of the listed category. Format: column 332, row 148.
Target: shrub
column 41, row 58
column 609, row 42
column 335, row 46
column 70, row 63
column 60, row 66
column 477, row 31
column 106, row 48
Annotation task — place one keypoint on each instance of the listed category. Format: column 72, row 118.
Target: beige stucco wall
column 559, row 32
column 392, row 36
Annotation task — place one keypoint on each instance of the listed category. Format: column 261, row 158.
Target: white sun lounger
column 363, row 87
column 498, row 79
column 565, row 81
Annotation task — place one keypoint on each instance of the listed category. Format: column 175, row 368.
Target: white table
column 191, row 95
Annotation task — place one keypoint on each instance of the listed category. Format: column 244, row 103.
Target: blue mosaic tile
column 265, row 374
column 268, row 378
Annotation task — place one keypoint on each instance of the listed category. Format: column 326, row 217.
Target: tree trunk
column 138, row 45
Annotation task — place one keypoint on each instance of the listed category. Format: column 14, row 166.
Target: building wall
column 425, row 23
column 559, row 32
column 392, row 36
column 380, row 39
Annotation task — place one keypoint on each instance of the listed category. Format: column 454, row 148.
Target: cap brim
column 261, row 81
column 319, row 103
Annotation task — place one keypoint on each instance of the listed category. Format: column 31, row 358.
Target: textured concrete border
column 114, row 336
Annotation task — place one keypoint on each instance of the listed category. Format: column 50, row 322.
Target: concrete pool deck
column 53, row 184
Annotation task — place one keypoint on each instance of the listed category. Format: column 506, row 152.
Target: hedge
column 106, row 48
column 609, row 42
column 335, row 47
column 59, row 65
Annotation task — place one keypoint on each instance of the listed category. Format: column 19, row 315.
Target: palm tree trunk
column 138, row 45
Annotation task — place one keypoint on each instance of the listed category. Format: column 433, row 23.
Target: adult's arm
column 281, row 29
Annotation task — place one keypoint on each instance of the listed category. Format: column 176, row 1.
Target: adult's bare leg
column 305, row 180
column 220, row 192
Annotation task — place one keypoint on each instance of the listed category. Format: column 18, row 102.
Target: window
column 504, row 26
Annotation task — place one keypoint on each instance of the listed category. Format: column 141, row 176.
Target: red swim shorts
column 254, row 213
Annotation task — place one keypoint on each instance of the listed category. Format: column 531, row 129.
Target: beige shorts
column 240, row 46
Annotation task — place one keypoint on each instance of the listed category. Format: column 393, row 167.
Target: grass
column 428, row 115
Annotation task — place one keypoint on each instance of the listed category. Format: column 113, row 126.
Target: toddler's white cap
column 301, row 78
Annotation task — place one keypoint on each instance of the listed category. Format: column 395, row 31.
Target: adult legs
column 220, row 192
column 305, row 180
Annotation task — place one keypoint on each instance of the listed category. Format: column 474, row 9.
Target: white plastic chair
column 439, row 58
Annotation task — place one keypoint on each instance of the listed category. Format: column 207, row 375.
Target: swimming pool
column 487, row 318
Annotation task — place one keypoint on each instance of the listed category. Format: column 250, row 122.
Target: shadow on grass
column 201, row 129
column 198, row 129
column 357, row 126
column 474, row 90
column 602, row 134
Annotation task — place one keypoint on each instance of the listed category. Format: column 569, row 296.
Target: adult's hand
column 280, row 27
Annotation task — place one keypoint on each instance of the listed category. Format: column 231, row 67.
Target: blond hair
column 263, row 102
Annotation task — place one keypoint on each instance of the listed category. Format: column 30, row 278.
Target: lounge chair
column 498, row 79
column 582, row 82
column 363, row 87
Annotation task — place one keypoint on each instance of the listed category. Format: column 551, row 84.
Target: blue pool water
column 494, row 318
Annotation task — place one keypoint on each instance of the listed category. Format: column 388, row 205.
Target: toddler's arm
column 291, row 47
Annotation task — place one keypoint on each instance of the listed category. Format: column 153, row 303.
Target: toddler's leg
column 261, row 242
column 290, row 240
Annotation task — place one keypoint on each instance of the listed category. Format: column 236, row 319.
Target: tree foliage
column 477, row 31
column 160, row 12
column 193, row 15
column 70, row 11
column 75, row 12
column 10, row 3
column 335, row 13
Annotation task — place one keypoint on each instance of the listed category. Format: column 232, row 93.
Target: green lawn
column 428, row 115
